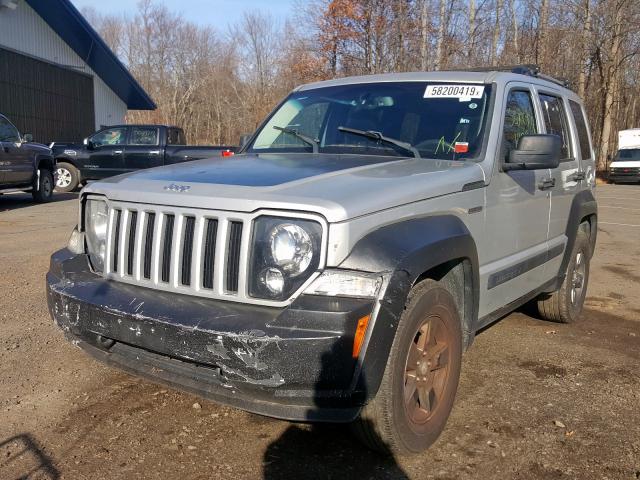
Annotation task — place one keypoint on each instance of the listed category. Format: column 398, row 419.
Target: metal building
column 58, row 79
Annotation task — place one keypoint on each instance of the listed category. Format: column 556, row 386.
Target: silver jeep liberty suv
column 336, row 268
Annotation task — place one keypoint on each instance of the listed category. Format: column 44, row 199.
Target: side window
column 8, row 133
column 175, row 136
column 143, row 136
column 583, row 133
column 519, row 120
column 110, row 136
column 555, row 121
column 172, row 136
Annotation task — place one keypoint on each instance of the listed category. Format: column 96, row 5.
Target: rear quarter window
column 583, row 133
column 175, row 136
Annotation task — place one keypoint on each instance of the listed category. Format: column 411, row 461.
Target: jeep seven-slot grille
column 189, row 251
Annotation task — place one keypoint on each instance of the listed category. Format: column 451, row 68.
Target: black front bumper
column 620, row 177
column 293, row 363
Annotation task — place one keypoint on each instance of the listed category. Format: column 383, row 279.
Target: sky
column 219, row 13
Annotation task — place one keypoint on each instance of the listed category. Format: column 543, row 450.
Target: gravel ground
column 536, row 399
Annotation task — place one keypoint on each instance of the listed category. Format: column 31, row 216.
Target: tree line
column 220, row 83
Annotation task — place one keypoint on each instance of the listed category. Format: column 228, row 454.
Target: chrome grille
column 192, row 251
column 626, row 170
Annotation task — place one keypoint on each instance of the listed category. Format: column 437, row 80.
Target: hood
column 61, row 146
column 625, row 164
column 38, row 147
column 338, row 187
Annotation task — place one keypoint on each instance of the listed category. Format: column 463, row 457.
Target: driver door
column 517, row 216
column 106, row 153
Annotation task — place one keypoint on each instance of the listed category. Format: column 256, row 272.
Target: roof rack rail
column 529, row 69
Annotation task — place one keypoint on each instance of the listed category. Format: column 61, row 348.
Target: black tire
column 391, row 424
column 68, row 177
column 43, row 191
column 565, row 304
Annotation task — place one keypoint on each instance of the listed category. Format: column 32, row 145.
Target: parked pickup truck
column 336, row 268
column 125, row 148
column 24, row 165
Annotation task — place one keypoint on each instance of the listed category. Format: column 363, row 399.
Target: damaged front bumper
column 293, row 363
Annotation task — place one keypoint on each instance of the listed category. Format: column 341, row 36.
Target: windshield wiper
column 381, row 138
column 292, row 131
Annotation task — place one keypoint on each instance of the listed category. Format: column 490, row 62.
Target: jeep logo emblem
column 177, row 188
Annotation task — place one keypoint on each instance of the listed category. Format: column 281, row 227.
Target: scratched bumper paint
column 292, row 362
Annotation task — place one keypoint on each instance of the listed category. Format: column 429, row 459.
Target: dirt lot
column 536, row 400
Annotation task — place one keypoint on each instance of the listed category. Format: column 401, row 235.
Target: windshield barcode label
column 464, row 93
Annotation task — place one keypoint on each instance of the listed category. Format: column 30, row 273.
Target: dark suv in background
column 24, row 165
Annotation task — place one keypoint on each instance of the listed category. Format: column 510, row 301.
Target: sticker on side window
column 464, row 93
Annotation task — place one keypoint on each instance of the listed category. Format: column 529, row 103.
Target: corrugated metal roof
column 72, row 27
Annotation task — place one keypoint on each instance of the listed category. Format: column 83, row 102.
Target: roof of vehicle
column 469, row 76
column 73, row 28
column 124, row 125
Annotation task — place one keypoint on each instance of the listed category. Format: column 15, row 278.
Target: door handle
column 154, row 152
column 547, row 183
column 117, row 152
column 577, row 177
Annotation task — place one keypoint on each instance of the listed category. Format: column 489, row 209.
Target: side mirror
column 85, row 141
column 27, row 137
column 244, row 139
column 535, row 152
column 90, row 145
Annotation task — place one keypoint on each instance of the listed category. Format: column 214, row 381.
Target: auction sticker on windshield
column 464, row 93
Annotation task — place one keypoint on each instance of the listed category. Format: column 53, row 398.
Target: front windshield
column 632, row 154
column 443, row 121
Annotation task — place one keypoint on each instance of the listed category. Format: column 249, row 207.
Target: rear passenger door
column 554, row 109
column 143, row 149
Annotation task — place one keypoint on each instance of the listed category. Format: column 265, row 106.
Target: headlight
column 95, row 223
column 291, row 248
column 285, row 253
column 345, row 283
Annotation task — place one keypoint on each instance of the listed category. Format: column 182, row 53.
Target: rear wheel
column 421, row 377
column 43, row 189
column 565, row 304
column 67, row 177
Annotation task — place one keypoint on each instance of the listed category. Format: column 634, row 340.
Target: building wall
column 24, row 31
column 50, row 102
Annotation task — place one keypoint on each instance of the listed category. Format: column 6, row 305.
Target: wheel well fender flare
column 583, row 207
column 405, row 251
column 47, row 161
column 71, row 161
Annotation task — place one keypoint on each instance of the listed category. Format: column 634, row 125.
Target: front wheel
column 43, row 190
column 67, row 177
column 565, row 304
column 421, row 377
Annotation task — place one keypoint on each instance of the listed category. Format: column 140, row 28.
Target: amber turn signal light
column 358, row 339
